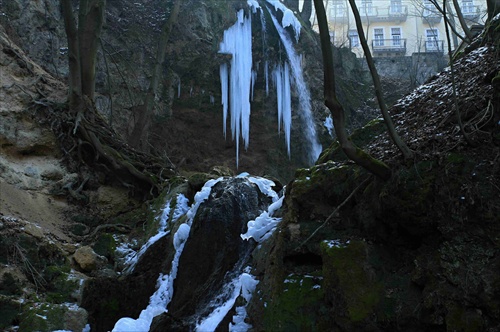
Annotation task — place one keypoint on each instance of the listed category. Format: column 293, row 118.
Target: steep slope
column 417, row 253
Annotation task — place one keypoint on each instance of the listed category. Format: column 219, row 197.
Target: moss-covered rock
column 349, row 282
column 295, row 308
column 105, row 245
column 9, row 312
column 360, row 137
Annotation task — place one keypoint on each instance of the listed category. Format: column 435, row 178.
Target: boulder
column 87, row 260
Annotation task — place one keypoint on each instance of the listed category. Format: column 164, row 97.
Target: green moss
column 9, row 286
column 360, row 137
column 105, row 246
column 329, row 179
column 59, row 287
column 42, row 317
column 297, row 307
column 345, row 274
column 9, row 310
column 78, row 229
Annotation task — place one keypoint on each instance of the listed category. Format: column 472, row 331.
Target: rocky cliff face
column 187, row 123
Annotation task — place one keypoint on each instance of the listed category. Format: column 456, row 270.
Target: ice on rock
column 329, row 125
column 289, row 18
column 263, row 226
column 159, row 301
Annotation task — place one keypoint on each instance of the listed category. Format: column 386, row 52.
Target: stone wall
column 414, row 69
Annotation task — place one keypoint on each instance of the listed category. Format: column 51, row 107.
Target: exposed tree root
column 86, row 137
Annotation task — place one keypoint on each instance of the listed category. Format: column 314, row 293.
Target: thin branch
column 407, row 153
column 332, row 215
column 453, row 83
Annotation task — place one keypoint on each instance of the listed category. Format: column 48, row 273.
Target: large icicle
column 237, row 42
column 224, row 78
column 284, row 98
column 303, row 92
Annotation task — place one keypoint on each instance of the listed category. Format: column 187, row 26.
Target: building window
column 429, row 8
column 396, row 36
column 353, row 38
column 431, row 43
column 467, row 6
column 366, row 7
column 378, row 36
column 337, row 9
column 396, row 7
column 332, row 37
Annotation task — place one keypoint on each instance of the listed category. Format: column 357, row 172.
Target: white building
column 399, row 27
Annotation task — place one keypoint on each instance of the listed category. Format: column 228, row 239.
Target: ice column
column 281, row 75
column 237, row 42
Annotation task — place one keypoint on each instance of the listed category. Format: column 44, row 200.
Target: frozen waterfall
column 159, row 301
column 303, row 92
column 238, row 79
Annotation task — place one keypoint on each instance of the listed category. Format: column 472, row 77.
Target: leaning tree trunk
column 354, row 153
column 90, row 21
column 493, row 8
column 407, row 153
column 461, row 19
column 138, row 137
column 306, row 12
column 75, row 81
column 83, row 125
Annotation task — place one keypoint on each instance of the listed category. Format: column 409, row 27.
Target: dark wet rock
column 109, row 299
column 214, row 247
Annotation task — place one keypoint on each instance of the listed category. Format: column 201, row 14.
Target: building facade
column 395, row 28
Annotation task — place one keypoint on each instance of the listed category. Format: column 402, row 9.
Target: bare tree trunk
column 306, row 12
column 146, row 110
column 74, row 81
column 461, row 19
column 407, row 153
column 90, row 21
column 354, row 153
column 453, row 82
column 493, row 8
column 130, row 166
column 452, row 27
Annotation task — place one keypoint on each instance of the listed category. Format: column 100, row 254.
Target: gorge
column 287, row 235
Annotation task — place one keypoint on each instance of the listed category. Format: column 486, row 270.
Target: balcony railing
column 393, row 46
column 470, row 12
column 434, row 46
column 395, row 13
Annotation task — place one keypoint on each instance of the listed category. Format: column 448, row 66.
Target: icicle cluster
column 238, row 79
column 281, row 78
column 237, row 42
column 303, row 92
